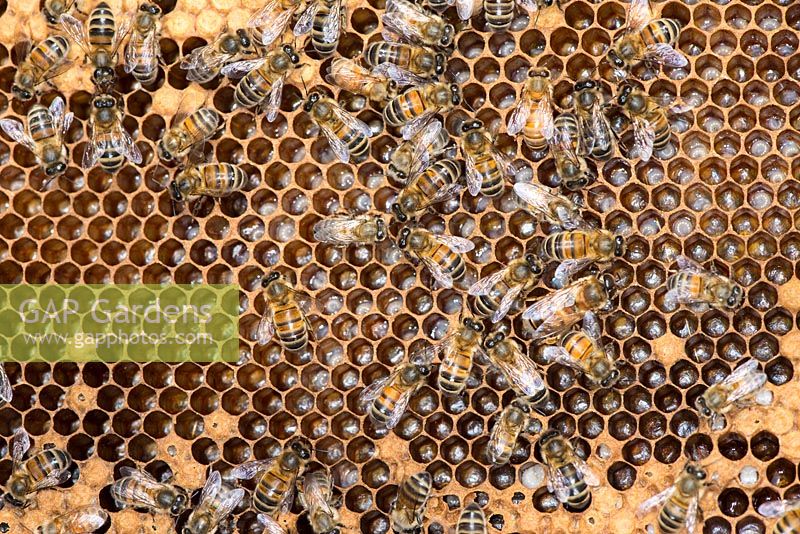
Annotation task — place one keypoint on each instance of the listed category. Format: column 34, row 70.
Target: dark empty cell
column 637, row 451
column 470, row 426
column 698, row 447
column 66, row 422
column 684, row 423
column 750, row 525
column 652, row 374
column 732, row 502
column 560, row 377
column 564, row 423
column 95, row 422
column 470, row 474
column 732, row 446
column 781, row 473
column 142, row 448
column 576, row 401
column 358, row 499
column 765, row 446
column 667, row 450
column 374, row 522
column 544, row 501
column 423, row 450
column 409, row 426
column 80, row 447
column 779, row 370
column 621, row 426
column 717, row 525
column 621, row 476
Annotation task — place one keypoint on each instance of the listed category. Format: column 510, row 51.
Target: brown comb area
column 725, row 192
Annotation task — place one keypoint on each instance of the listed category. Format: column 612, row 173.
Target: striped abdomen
column 145, row 70
column 471, row 521
column 689, row 283
column 661, row 31
column 486, row 305
column 404, row 108
column 201, row 124
column 454, row 371
column 382, row 52
column 108, row 145
column 40, row 123
column 49, row 53
column 386, row 403
column 254, row 88
column 449, row 261
column 441, row 174
column 491, row 174
column 672, row 517
column 578, row 345
column 290, row 325
column 46, row 462
column 101, row 26
column 498, row 13
column 532, row 133
column 788, row 524
column 317, row 32
column 568, row 122
column 579, row 497
column 356, row 142
column 566, row 246
column 660, row 124
column 221, row 179
column 271, row 489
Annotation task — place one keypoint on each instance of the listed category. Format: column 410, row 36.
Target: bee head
column 51, row 18
column 609, row 284
column 20, row 92
column 399, row 215
column 380, row 229
column 534, row 263
column 150, row 8
column 536, row 72
column 624, row 94
column 585, row 84
column 611, row 379
column 176, row 189
column 491, row 342
column 424, row 370
column 455, row 94
column 178, row 504
column 735, row 298
column 615, row 60
column 103, row 76
column 578, row 183
column 13, row 500
column 104, row 102
column 313, row 98
column 56, row 169
column 439, row 64
column 548, row 436
column 244, row 38
column 474, row 124
column 472, row 324
column 402, row 241
column 301, row 449
column 702, row 407
column 271, row 277
column 619, row 246
column 696, row 471
column 289, row 51
column 447, row 35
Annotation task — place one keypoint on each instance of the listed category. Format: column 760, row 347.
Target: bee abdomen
column 252, row 89
column 453, row 375
column 404, row 108
column 662, row 31
column 499, row 14
column 290, row 327
column 672, row 517
column 318, row 34
column 40, row 123
column 101, row 26
column 357, row 143
column 52, row 50
column 579, row 497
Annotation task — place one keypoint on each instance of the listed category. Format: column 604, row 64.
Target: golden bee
column 324, row 19
column 499, row 14
column 109, row 142
column 350, row 76
column 404, row 61
column 584, row 350
column 441, row 254
column 100, row 43
column 283, row 317
column 457, row 351
column 44, row 62
column 519, row 370
column 44, row 137
column 204, row 63
column 472, row 520
column 514, row 420
column 548, row 206
column 568, row 476
column 271, row 21
column 216, row 180
column 316, row 496
column 679, row 504
column 700, row 289
column 413, row 109
column 143, row 50
column 138, row 489
column 787, row 510
column 347, row 136
column 645, row 39
column 438, row 182
column 597, row 139
column 48, row 468
column 408, row 510
column 388, row 397
column 189, row 132
column 533, row 114
column 486, row 166
column 274, row 492
column 53, row 9
column 343, row 230
column 575, row 249
column 6, row 391
column 572, row 168
column 416, row 24
column 735, row 391
column 216, row 503
column 84, row 520
column 413, row 156
column 565, row 307
column 498, row 292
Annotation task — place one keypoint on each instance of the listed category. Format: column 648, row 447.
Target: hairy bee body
column 571, row 167
column 325, row 46
column 44, row 61
column 434, row 252
column 414, row 59
column 416, row 154
column 37, row 468
column 81, row 521
column 486, row 168
column 217, row 501
column 417, row 24
column 270, row 22
column 674, row 514
column 597, row 137
column 419, row 101
column 499, row 14
column 316, row 496
column 408, row 510
column 44, row 137
column 493, row 293
column 53, row 9
column 509, row 426
column 196, row 128
column 595, row 245
column 568, row 474
column 632, row 47
column 216, row 180
column 343, row 229
column 143, row 50
column 389, row 404
column 283, row 315
column 422, row 189
column 348, row 75
column 701, row 289
column 518, row 369
column 459, row 355
column 139, row 490
column 205, row 63
column 538, row 126
column 350, row 135
column 110, row 144
column 472, row 520
column 257, row 85
column 789, row 523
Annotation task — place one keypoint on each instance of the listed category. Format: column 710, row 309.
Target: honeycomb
column 724, row 192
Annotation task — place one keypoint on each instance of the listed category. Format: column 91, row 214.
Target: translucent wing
column 314, row 492
column 444, row 278
column 120, row 33
column 545, row 306
column 266, row 328
column 129, row 148
column 588, row 475
column 91, row 153
column 665, row 54
column 399, row 409
column 406, row 19
column 211, row 487
column 274, row 99
column 271, row 20
column 339, row 229
column 600, row 126
column 688, row 264
column 566, row 269
column 423, row 140
column 521, row 372
column 444, row 193
column 644, row 135
column 428, row 353
column 485, row 284
column 473, row 176
column 639, row 15
column 506, row 302
column 20, row 443
column 56, row 110
column 88, row 519
column 530, row 5
column 16, row 131
column 398, row 74
column 519, row 117
column 143, row 476
column 238, row 69
column 306, row 20
column 591, row 325
column 558, row 484
column 543, row 117
column 270, row 525
column 654, row 501
column 199, row 57
column 748, row 379
column 230, row 501
column 74, row 28
column 53, row 479
column 248, row 470
column 691, row 515
column 151, row 49
column 412, row 127
column 372, row 391
column 337, row 145
column 459, row 245
column 6, row 392
column 778, row 508
column 467, row 8
column 560, row 355
column 333, row 24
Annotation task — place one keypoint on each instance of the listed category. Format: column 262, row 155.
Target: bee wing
column 748, row 379
column 337, row 230
column 306, row 20
column 560, row 355
column 505, row 304
column 405, row 19
column 519, row 117
column 529, row 5
column 558, row 484
column 543, row 113
column 644, row 135
column 197, row 57
column 522, row 372
column 485, row 284
column 459, row 245
column 544, row 307
column 142, row 476
column 332, row 26
column 53, row 479
column 371, row 392
column 445, row 193
column 6, row 392
column 588, row 475
column 654, row 501
column 270, row 525
column 20, row 443
column 314, row 492
column 271, row 20
column 412, row 127
column 398, row 74
column 91, row 153
column 665, row 54
column 228, row 502
column 591, row 325
column 467, row 8
column 445, row 279
column 56, row 110
column 566, row 269
column 120, row 33
column 74, row 28
column 249, row 470
column 399, row 408
column 211, row 487
column 274, row 99
column 537, row 199
column 422, row 142
column 427, row 354
column 150, row 50
column 88, row 519
column 337, row 145
column 266, row 328
column 688, row 264
column 778, row 508
column 16, row 131
column 129, row 148
column 238, row 69
column 639, row 15
column 473, row 177
column 691, row 515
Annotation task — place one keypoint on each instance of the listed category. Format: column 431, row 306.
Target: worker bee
column 548, row 206
column 420, row 26
column 204, row 63
column 262, row 84
column 190, row 131
column 388, row 397
column 562, row 308
column 316, row 496
column 514, row 420
column 138, row 489
column 518, row 369
column 269, row 22
column 283, row 316
column 53, row 9
column 415, row 155
column 700, row 289
column 6, row 391
column 216, row 503
column 45, row 469
column 486, row 167
column 274, row 492
column 438, row 182
column 44, row 137
column 575, row 249
column 564, row 145
column 584, row 350
column 645, row 39
column 408, row 509
column 84, row 520
column 499, row 14
column 216, row 180
column 568, row 476
column 498, row 292
column 533, row 114
column 735, row 391
column 45, row 61
column 348, row 136
column 350, row 76
column 441, row 254
column 324, row 19
column 100, row 43
column 789, row 512
column 345, row 229
column 412, row 109
column 109, row 142
column 597, row 137
column 680, row 502
column 403, row 61
column 472, row 520
column 144, row 50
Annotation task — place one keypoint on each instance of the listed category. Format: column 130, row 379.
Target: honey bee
column 735, row 391
column 533, row 114
column 438, row 182
column 564, row 145
column 563, row 308
column 472, row 520
column 412, row 109
column 348, row 136
column 679, row 504
column 109, row 142
column 6, row 391
column 143, row 50
column 346, row 229
column 283, row 316
column 323, row 18
column 45, row 469
column 408, row 509
column 216, row 503
column 270, row 525
column 388, row 397
column 403, row 61
column 498, row 292
column 204, row 63
column 499, row 14
column 350, row 76
column 84, row 520
column 216, row 180
column 100, row 43
column 514, row 420
column 700, row 289
column 583, row 350
column 575, row 249
column 548, row 206
column 269, row 22
column 53, row 9
column 45, row 61
column 441, row 254
column 486, row 167
column 415, row 155
column 190, row 131
column 518, row 369
column 316, row 496
column 568, row 476
column 262, row 84
column 645, row 39
column 274, row 492
column 789, row 513
column 597, row 137
column 137, row 489
column 416, row 24
column 44, row 136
